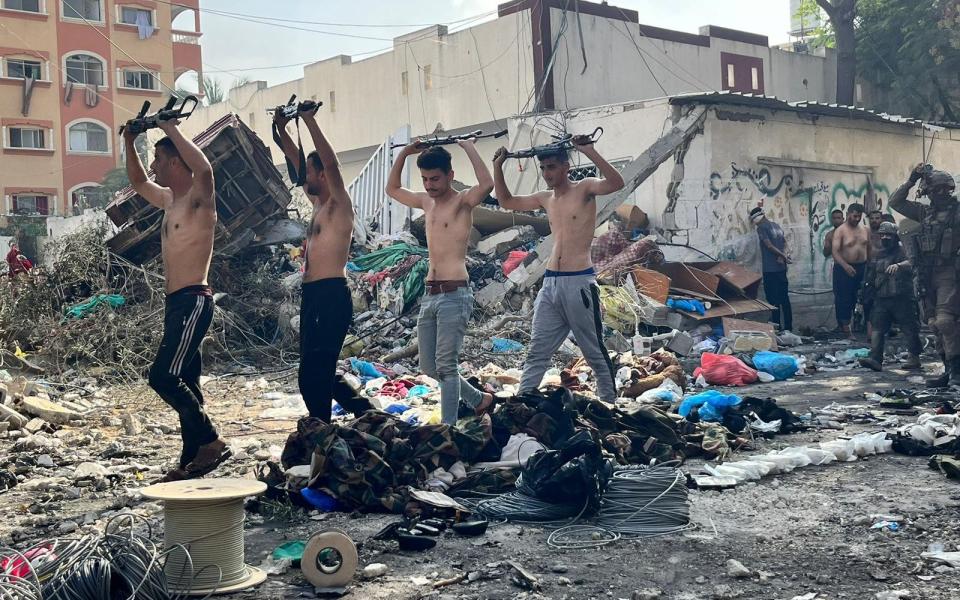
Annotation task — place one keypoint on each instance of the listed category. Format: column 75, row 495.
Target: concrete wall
column 799, row 168
column 624, row 65
column 370, row 101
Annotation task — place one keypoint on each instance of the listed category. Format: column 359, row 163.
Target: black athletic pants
column 175, row 374
column 326, row 312
column 777, row 290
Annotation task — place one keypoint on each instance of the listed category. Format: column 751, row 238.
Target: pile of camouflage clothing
column 370, row 463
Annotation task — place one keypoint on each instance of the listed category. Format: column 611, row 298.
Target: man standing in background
column 774, row 258
column 851, row 250
column 836, row 219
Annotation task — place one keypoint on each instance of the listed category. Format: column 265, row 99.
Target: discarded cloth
column 78, row 311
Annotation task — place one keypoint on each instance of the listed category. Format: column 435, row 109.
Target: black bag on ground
column 574, row 474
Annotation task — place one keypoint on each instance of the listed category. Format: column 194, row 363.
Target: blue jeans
column 440, row 329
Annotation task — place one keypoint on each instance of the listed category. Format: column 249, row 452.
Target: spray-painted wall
column 798, row 166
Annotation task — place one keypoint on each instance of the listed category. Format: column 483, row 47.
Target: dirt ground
column 802, row 533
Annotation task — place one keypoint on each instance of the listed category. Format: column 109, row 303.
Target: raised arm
column 477, row 193
column 611, row 182
column 153, row 193
column 192, row 156
column 394, row 189
column 331, row 166
column 286, row 142
column 898, row 199
column 504, row 198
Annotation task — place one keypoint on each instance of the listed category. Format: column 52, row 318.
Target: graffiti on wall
column 799, row 200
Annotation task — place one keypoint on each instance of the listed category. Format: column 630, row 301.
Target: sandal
column 209, row 457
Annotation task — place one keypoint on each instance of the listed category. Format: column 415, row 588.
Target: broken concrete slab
column 49, row 411
column 503, row 241
column 11, row 416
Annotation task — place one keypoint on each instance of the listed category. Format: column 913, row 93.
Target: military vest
column 939, row 237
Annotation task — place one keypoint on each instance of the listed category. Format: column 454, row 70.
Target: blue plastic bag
column 781, row 366
column 396, row 408
column 417, row 391
column 694, row 306
column 337, row 410
column 711, row 403
column 505, row 345
column 319, row 500
column 364, row 369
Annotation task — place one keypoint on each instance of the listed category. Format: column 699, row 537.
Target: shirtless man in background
column 570, row 298
column 326, row 308
column 836, row 220
column 184, row 191
column 446, row 309
column 851, row 251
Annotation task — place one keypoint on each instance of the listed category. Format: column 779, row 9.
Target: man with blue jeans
column 774, row 261
column 569, row 299
column 446, row 308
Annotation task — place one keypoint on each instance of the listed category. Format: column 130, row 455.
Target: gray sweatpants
column 440, row 329
column 568, row 303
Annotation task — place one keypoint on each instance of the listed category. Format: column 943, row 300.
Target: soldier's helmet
column 936, row 179
column 888, row 229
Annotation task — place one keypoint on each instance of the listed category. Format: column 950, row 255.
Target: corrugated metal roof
column 803, row 106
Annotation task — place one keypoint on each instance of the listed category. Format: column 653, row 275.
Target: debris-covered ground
column 807, row 532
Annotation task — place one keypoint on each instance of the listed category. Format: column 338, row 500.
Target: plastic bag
column 781, row 366
column 668, row 391
column 711, row 403
column 514, row 259
column 719, row 369
column 504, row 345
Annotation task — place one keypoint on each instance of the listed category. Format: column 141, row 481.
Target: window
column 88, row 137
column 141, row 80
column 31, row 204
column 333, row 101
column 581, row 173
column 85, row 69
column 82, row 9
column 427, row 77
column 741, row 73
column 134, row 16
column 24, row 5
column 404, row 83
column 27, row 137
column 91, row 196
column 19, row 68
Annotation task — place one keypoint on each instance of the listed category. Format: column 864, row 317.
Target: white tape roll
column 329, row 560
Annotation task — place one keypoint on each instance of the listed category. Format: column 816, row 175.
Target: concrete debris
column 374, row 570
column 49, row 411
column 11, row 416
column 736, row 570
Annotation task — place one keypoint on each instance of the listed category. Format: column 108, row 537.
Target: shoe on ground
column 912, row 364
column 209, row 457
column 871, row 364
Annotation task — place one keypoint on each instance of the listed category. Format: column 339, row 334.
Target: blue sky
column 232, row 44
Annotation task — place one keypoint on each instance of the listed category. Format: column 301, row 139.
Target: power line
column 228, row 13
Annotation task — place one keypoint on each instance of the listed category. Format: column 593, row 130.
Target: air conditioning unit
column 801, row 47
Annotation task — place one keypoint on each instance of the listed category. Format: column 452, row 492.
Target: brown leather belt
column 443, row 286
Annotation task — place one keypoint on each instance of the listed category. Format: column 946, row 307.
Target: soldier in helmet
column 934, row 250
column 888, row 287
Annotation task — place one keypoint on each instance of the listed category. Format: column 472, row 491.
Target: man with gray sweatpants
column 569, row 299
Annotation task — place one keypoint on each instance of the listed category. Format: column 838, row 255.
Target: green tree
column 842, row 14
column 909, row 52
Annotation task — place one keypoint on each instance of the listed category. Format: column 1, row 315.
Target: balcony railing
column 186, row 37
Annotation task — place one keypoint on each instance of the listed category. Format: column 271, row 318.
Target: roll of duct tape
column 329, row 560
